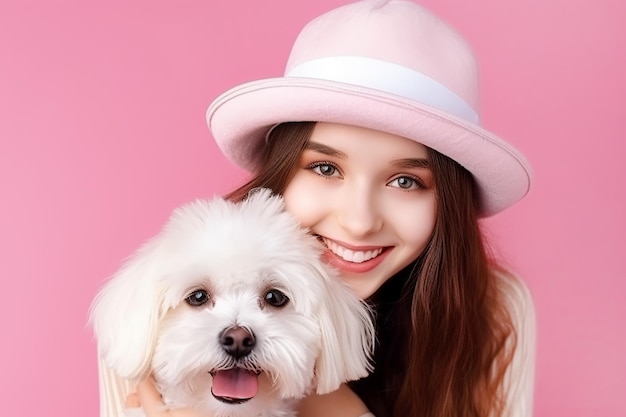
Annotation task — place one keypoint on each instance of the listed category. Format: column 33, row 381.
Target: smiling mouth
column 351, row 255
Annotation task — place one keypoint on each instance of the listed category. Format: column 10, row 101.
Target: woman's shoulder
column 519, row 380
column 515, row 293
column 517, row 300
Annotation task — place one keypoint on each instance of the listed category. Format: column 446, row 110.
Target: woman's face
column 370, row 198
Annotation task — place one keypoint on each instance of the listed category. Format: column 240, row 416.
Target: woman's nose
column 358, row 214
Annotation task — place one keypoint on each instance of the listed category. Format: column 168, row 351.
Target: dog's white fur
column 322, row 337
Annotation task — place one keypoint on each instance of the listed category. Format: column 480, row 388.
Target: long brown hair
column 441, row 324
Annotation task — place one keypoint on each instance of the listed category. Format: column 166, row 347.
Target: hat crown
column 393, row 31
column 386, row 65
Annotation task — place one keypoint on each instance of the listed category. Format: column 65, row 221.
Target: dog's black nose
column 237, row 341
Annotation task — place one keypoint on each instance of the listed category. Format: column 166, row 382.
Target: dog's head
column 232, row 299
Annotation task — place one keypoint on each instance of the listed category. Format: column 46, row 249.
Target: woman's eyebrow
column 326, row 150
column 412, row 163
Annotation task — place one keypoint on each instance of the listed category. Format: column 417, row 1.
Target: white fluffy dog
column 232, row 312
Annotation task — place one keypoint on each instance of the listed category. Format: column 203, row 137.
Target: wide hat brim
column 240, row 118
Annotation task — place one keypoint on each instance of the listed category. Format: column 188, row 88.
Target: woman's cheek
column 415, row 229
column 303, row 202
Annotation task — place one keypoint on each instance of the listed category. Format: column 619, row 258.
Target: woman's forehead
column 343, row 141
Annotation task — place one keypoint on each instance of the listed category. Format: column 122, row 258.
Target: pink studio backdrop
column 102, row 133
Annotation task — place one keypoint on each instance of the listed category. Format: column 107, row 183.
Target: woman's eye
column 197, row 298
column 276, row 298
column 325, row 169
column 406, row 183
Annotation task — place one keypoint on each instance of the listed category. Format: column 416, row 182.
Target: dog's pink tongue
column 235, row 383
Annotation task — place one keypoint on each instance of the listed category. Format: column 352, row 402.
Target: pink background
column 102, row 133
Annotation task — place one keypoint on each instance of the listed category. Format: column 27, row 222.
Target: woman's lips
column 355, row 259
column 353, row 253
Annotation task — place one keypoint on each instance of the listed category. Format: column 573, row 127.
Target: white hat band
column 388, row 77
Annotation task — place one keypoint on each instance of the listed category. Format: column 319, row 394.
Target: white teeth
column 352, row 255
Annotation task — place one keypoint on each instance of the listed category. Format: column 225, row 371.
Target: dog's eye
column 197, row 298
column 276, row 298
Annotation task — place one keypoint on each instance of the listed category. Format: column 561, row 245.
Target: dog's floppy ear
column 126, row 312
column 348, row 335
column 125, row 315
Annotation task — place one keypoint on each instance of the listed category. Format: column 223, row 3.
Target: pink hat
column 388, row 65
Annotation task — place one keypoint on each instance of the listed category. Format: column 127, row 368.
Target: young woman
column 372, row 137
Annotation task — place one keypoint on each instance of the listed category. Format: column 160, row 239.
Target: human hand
column 341, row 403
column 149, row 398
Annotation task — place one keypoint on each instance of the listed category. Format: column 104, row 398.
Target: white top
column 519, row 378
